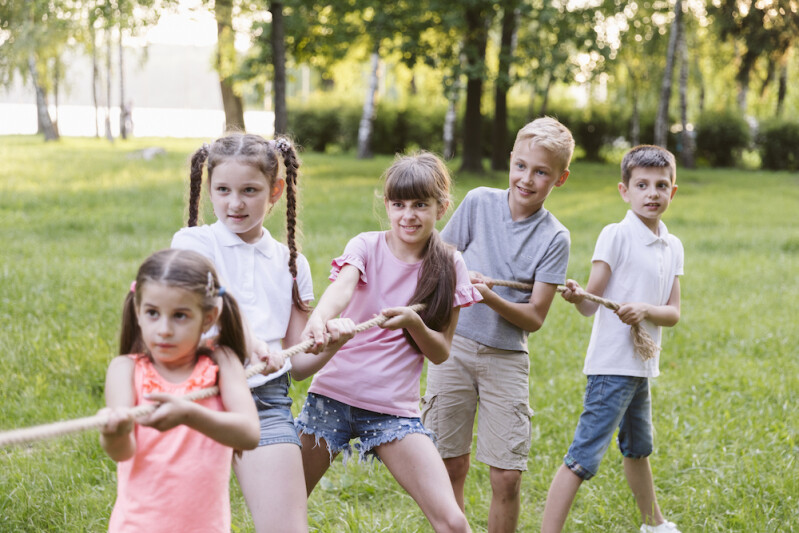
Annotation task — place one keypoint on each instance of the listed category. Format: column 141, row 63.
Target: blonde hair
column 548, row 133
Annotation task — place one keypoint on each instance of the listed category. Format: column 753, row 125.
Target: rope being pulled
column 644, row 345
column 57, row 429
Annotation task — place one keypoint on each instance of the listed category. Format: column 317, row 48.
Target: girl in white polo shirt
column 272, row 283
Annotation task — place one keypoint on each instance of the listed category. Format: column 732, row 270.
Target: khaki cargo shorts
column 496, row 381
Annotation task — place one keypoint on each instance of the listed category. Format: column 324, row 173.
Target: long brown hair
column 418, row 176
column 261, row 154
column 192, row 272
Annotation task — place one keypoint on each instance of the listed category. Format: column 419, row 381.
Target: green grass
column 77, row 217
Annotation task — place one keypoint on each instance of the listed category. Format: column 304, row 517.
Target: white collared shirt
column 643, row 268
column 257, row 275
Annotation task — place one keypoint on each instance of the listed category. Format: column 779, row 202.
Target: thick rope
column 57, row 429
column 644, row 345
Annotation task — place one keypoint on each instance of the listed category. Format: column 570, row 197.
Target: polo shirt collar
column 225, row 237
column 643, row 232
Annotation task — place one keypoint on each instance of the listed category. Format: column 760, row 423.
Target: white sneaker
column 665, row 527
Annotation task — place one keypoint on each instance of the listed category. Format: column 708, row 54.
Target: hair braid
column 292, row 164
column 195, row 183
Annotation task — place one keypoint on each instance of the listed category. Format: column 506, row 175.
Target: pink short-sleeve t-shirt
column 378, row 370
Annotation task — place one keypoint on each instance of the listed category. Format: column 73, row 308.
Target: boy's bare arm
column 528, row 316
column 661, row 315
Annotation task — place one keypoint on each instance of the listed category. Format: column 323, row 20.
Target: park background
column 78, row 216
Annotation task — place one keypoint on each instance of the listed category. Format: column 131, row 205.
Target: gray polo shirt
column 533, row 249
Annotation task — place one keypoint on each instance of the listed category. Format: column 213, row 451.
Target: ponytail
column 436, row 286
column 292, row 163
column 130, row 341
column 195, row 183
column 231, row 327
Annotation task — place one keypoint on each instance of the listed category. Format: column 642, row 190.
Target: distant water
column 79, row 121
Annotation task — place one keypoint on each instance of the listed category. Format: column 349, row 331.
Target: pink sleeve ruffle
column 466, row 295
column 347, row 259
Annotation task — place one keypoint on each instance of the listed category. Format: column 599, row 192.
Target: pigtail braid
column 130, row 340
column 292, row 164
column 195, row 183
column 231, row 327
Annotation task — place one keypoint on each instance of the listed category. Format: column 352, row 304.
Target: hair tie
column 133, row 286
column 282, row 144
column 209, row 287
column 221, row 291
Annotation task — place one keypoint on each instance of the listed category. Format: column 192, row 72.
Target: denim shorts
column 338, row 423
column 610, row 402
column 274, row 411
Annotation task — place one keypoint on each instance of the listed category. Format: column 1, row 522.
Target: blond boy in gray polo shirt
column 503, row 235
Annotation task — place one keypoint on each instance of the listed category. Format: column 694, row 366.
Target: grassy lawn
column 78, row 217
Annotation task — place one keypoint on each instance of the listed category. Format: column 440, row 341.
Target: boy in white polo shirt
column 636, row 263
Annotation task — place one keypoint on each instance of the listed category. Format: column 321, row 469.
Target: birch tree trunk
column 123, row 105
column 108, row 134
column 50, row 134
column 279, row 64
column 686, row 137
column 662, row 119
column 368, row 115
column 95, row 81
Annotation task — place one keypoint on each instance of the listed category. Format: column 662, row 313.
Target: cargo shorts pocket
column 521, row 432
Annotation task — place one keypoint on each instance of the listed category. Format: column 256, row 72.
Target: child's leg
column 276, row 458
column 449, row 407
column 559, row 500
column 458, row 469
column 415, row 464
column 639, row 477
column 257, row 472
column 316, row 459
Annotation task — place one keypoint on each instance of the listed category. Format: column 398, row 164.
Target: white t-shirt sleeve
column 304, row 279
column 607, row 247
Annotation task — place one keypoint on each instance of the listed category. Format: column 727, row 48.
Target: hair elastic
column 221, row 291
column 282, row 144
column 133, row 286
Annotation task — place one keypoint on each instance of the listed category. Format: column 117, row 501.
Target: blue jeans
column 274, row 411
column 338, row 423
column 610, row 402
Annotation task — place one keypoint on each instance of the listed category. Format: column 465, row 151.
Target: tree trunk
column 662, row 119
column 475, row 50
column 499, row 148
column 686, row 137
column 95, row 80
column 368, row 115
column 50, row 134
column 783, row 88
column 450, row 119
column 108, row 134
column 225, row 59
column 279, row 64
column 56, row 91
column 635, row 118
column 123, row 105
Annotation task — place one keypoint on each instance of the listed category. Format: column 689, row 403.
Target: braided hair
column 256, row 151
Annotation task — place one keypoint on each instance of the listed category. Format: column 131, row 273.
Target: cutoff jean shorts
column 611, row 402
column 274, row 412
column 338, row 423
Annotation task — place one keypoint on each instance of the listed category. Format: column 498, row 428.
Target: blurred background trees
column 712, row 80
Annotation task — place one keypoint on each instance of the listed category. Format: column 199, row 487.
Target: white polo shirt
column 257, row 275
column 643, row 268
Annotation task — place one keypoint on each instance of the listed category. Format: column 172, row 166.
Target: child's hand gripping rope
column 104, row 416
column 644, row 345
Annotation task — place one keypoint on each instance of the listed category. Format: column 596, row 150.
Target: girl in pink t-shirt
column 370, row 389
column 174, row 465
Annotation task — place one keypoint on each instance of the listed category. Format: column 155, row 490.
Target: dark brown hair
column 419, row 176
column 648, row 156
column 192, row 272
column 261, row 154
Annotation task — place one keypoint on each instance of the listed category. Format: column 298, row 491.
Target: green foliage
column 778, row 142
column 79, row 216
column 593, row 128
column 720, row 137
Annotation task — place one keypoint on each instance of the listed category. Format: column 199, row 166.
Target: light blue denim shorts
column 338, row 423
column 274, row 411
column 611, row 402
